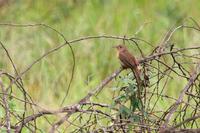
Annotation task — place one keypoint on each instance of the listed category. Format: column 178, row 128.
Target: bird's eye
column 120, row 46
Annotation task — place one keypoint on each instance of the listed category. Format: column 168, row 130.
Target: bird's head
column 120, row 48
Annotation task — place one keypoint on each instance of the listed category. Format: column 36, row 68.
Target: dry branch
column 154, row 118
column 5, row 102
column 192, row 79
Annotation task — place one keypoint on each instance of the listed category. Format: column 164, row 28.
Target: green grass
column 95, row 59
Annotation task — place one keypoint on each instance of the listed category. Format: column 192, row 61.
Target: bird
column 129, row 61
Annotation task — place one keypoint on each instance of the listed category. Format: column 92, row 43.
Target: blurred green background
column 47, row 81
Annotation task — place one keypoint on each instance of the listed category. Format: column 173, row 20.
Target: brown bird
column 129, row 61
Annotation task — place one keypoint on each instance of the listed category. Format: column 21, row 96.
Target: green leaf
column 132, row 89
column 126, row 81
column 121, row 98
column 130, row 75
column 124, row 111
column 134, row 103
column 145, row 114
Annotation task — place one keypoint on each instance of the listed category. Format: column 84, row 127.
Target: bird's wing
column 127, row 59
column 133, row 60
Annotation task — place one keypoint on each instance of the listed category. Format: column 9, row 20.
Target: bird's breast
column 118, row 54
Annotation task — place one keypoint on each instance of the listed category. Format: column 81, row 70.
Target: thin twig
column 5, row 102
column 192, row 79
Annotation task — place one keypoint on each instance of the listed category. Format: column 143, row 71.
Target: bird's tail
column 144, row 82
column 136, row 73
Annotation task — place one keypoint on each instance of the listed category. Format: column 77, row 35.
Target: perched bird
column 129, row 61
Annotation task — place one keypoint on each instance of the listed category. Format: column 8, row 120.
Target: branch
column 185, row 121
column 5, row 102
column 100, row 86
column 192, row 79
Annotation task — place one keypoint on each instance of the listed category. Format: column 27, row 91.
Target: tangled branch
column 166, row 63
